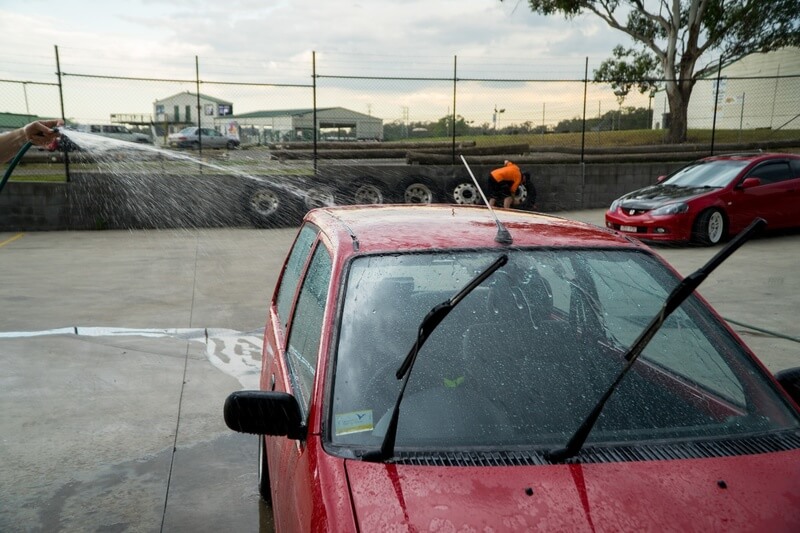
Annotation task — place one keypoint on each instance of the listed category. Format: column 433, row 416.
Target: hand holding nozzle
column 42, row 132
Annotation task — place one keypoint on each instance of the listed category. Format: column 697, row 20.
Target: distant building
column 759, row 91
column 180, row 110
column 12, row 121
column 333, row 124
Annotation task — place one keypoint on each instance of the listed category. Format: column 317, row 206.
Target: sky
column 271, row 41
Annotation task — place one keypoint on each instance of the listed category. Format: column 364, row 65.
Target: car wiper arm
column 426, row 327
column 673, row 301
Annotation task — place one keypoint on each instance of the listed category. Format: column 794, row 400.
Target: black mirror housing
column 264, row 413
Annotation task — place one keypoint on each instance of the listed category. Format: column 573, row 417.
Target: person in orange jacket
column 503, row 183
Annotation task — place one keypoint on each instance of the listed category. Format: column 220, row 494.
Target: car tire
column 710, row 227
column 318, row 197
column 271, row 207
column 367, row 193
column 463, row 192
column 523, row 198
column 231, row 145
column 263, row 471
column 419, row 191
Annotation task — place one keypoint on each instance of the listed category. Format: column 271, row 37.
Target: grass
column 54, row 172
column 594, row 139
column 39, row 178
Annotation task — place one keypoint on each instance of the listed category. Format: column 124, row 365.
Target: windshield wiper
column 426, row 327
column 674, row 300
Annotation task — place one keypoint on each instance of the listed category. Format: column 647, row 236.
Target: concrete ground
column 119, row 348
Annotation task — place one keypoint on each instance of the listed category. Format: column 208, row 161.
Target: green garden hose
column 13, row 164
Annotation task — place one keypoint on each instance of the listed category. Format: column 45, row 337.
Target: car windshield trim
column 716, row 173
column 692, row 325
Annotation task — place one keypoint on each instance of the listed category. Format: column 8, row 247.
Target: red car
column 429, row 368
column 712, row 199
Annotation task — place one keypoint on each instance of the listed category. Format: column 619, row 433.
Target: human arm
column 40, row 133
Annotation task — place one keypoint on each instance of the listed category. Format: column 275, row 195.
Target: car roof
column 750, row 156
column 382, row 228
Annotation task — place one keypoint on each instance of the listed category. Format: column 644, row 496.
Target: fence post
column 455, row 81
column 716, row 104
column 63, row 115
column 314, row 106
column 585, row 89
column 583, row 131
column 199, row 111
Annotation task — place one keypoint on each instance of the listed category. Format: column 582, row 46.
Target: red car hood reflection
column 755, row 493
column 655, row 196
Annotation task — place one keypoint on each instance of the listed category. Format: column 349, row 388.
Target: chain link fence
column 347, row 98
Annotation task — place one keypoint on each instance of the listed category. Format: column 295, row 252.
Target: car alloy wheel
column 715, row 227
column 368, row 194
column 466, row 194
column 710, row 227
column 265, row 202
column 319, row 198
column 418, row 193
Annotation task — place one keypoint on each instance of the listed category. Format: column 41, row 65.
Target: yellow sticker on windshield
column 354, row 422
column 453, row 383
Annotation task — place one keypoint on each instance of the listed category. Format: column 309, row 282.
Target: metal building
column 332, row 124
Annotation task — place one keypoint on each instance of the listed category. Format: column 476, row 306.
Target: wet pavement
column 118, row 350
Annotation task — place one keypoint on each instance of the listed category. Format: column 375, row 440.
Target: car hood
column 755, row 492
column 657, row 195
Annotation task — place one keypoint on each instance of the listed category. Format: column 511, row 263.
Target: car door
column 290, row 464
column 211, row 138
column 772, row 198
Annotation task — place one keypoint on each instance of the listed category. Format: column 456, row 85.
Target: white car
column 208, row 137
column 114, row 131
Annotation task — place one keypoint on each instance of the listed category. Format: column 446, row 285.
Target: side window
column 304, row 337
column 94, row 129
column 772, row 172
column 294, row 267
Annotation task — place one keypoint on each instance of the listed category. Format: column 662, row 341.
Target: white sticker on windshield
column 354, row 422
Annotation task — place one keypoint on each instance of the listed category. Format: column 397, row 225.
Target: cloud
column 271, row 41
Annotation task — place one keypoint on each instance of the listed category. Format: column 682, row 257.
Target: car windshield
column 707, row 174
column 523, row 358
column 188, row 131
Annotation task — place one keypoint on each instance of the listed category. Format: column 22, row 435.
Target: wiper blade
column 426, row 327
column 674, row 300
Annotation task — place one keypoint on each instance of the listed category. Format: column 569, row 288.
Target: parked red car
column 713, row 198
column 427, row 368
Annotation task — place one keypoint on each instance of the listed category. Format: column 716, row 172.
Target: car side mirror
column 264, row 413
column 660, row 179
column 750, row 182
column 790, row 381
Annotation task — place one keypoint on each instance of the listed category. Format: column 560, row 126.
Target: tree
column 672, row 36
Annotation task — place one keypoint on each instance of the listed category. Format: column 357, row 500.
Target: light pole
column 620, row 94
column 494, row 117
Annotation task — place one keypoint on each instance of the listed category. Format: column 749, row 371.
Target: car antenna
column 503, row 236
column 681, row 291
